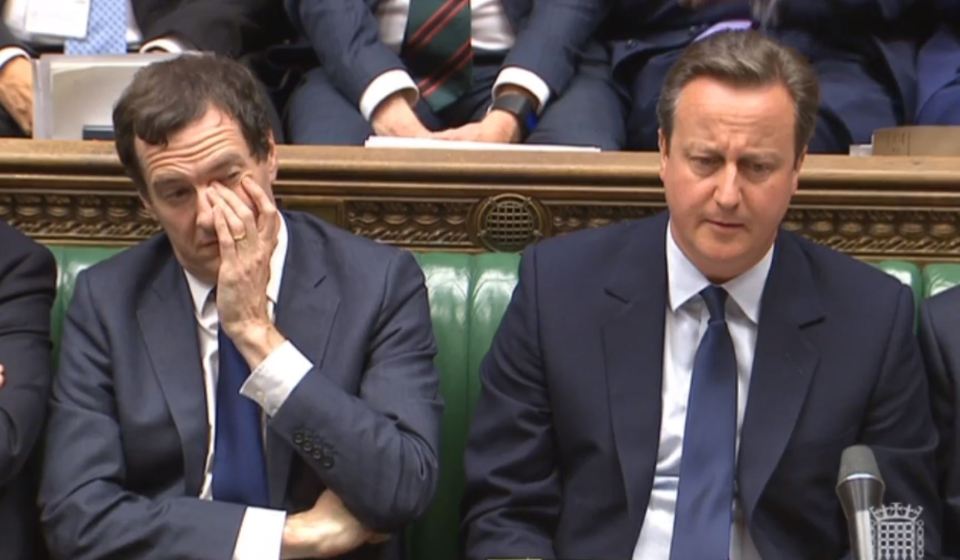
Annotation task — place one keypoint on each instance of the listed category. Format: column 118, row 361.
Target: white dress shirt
column 15, row 16
column 269, row 385
column 490, row 30
column 684, row 326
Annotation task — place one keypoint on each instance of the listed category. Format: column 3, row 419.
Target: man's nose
column 204, row 210
column 727, row 192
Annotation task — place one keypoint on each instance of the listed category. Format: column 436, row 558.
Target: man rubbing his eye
column 250, row 383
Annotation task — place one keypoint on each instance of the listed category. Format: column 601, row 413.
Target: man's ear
column 663, row 145
column 798, row 165
column 272, row 163
column 145, row 200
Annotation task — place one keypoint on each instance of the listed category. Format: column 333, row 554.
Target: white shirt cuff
column 261, row 534
column 164, row 44
column 514, row 75
column 385, row 85
column 276, row 377
column 9, row 53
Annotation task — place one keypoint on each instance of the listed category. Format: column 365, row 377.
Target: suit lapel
column 784, row 364
column 305, row 313
column 633, row 354
column 168, row 326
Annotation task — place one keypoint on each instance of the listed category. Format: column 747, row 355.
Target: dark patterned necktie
column 437, row 49
column 239, row 468
column 701, row 528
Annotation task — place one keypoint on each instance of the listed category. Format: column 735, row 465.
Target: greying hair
column 744, row 59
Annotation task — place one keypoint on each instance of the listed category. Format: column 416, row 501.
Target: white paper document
column 66, row 18
column 431, row 143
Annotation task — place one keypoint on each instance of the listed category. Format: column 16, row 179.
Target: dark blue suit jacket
column 344, row 35
column 28, row 277
column 940, row 343
column 128, row 438
column 563, row 446
column 881, row 30
column 938, row 63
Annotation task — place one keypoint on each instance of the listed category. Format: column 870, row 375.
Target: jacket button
column 298, row 438
column 327, row 463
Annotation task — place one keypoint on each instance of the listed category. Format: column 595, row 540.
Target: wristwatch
column 520, row 106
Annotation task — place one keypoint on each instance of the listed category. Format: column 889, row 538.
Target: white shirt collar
column 200, row 290
column 685, row 281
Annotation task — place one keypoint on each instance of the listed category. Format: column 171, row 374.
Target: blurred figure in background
column 862, row 51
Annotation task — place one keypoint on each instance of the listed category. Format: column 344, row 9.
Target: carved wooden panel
column 877, row 207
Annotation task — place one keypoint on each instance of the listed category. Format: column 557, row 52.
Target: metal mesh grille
column 509, row 223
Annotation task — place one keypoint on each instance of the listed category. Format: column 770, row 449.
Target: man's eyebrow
column 700, row 147
column 169, row 180
column 225, row 162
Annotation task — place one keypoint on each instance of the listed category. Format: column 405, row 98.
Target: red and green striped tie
column 437, row 50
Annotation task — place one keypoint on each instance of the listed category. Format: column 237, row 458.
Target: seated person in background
column 249, row 383
column 940, row 344
column 862, row 51
column 683, row 386
column 483, row 70
column 938, row 70
column 229, row 27
column 28, row 277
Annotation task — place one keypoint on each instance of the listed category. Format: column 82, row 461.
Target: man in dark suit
column 938, row 69
column 249, row 383
column 683, row 386
column 238, row 29
column 940, row 345
column 863, row 53
column 28, row 278
column 536, row 74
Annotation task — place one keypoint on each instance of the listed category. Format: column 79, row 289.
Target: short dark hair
column 166, row 96
column 744, row 59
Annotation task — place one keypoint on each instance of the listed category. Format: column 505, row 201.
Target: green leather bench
column 468, row 295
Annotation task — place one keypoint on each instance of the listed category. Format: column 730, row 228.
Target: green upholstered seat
column 940, row 277
column 906, row 272
column 468, row 295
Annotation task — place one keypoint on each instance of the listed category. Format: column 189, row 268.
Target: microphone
column 859, row 487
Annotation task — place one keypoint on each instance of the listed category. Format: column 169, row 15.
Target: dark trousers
column 588, row 113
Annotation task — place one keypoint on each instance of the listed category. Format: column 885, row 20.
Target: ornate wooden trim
column 877, row 207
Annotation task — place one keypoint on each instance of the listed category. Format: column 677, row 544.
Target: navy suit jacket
column 940, row 343
column 563, row 444
column 128, row 438
column 883, row 30
column 28, row 277
column 938, row 63
column 344, row 35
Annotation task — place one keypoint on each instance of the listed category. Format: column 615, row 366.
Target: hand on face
column 246, row 237
column 327, row 530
